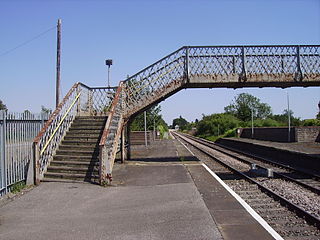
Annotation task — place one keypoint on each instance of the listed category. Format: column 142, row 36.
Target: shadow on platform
column 166, row 159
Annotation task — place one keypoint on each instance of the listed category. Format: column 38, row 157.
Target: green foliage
column 45, row 110
column 3, row 106
column 153, row 117
column 264, row 123
column 17, row 187
column 311, row 122
column 243, row 105
column 182, row 123
column 282, row 119
column 217, row 124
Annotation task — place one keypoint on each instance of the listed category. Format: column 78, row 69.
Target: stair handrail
column 110, row 138
column 52, row 133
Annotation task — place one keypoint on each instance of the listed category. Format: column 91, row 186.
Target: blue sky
column 137, row 33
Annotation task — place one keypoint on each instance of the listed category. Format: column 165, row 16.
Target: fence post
column 36, row 163
column 3, row 152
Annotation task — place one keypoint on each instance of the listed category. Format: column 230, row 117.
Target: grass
column 229, row 133
column 17, row 187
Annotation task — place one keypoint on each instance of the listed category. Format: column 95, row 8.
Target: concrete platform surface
column 164, row 193
column 157, row 203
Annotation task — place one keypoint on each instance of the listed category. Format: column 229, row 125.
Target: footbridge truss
column 188, row 67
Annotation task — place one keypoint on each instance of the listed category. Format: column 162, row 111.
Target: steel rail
column 299, row 211
column 268, row 161
column 280, row 175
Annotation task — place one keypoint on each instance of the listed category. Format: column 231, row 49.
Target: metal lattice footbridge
column 188, row 67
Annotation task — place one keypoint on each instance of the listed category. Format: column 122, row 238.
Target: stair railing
column 80, row 100
column 110, row 138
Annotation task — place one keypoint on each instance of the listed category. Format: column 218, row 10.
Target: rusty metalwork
column 222, row 66
column 188, row 67
column 110, row 138
column 80, row 100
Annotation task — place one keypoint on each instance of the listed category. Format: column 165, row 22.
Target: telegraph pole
column 58, row 62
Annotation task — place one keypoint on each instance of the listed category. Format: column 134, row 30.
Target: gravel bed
column 285, row 222
column 228, row 160
column 298, row 195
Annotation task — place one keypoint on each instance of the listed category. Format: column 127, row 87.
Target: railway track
column 305, row 179
column 293, row 211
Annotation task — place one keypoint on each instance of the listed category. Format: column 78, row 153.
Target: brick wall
column 308, row 134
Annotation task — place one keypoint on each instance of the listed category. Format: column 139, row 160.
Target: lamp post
column 145, row 129
column 109, row 63
column 252, row 132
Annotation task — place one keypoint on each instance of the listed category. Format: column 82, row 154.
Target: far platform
column 304, row 155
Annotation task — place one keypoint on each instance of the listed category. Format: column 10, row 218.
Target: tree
column 217, row 124
column 2, row 106
column 181, row 122
column 45, row 110
column 153, row 117
column 283, row 118
column 243, row 105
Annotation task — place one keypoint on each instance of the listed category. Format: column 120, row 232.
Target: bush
column 311, row 122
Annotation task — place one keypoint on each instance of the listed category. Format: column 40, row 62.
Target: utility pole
column 252, row 131
column 58, row 62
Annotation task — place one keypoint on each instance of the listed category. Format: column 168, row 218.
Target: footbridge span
column 188, row 67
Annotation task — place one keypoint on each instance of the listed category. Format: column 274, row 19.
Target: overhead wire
column 26, row 42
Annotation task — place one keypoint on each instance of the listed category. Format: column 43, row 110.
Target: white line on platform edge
column 253, row 213
column 186, row 147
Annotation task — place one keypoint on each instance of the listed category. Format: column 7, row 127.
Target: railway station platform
column 303, row 155
column 162, row 193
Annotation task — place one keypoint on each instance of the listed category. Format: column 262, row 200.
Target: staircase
column 77, row 157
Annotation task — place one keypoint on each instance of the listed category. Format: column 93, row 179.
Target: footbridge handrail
column 80, row 100
column 110, row 137
column 222, row 66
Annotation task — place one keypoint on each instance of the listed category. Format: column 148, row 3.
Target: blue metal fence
column 17, row 131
